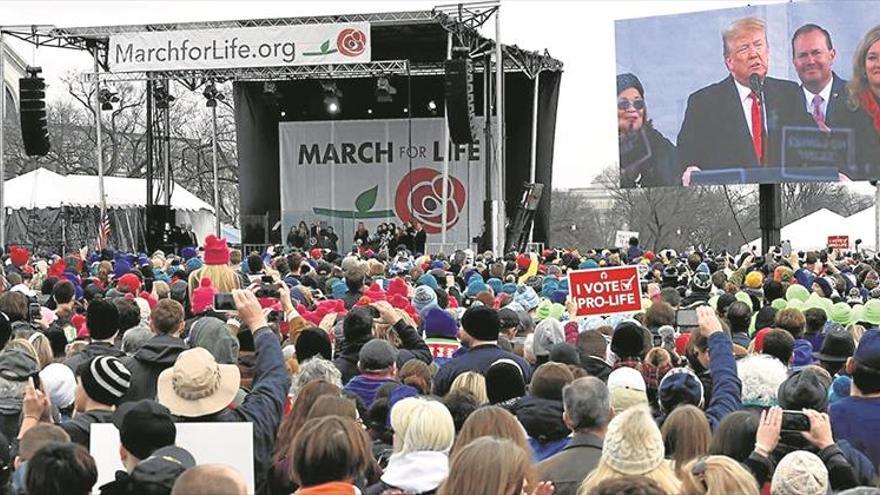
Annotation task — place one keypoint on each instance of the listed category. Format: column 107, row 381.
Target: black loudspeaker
column 34, row 123
column 459, row 89
column 160, row 220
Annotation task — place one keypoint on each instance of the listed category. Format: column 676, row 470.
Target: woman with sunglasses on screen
column 646, row 157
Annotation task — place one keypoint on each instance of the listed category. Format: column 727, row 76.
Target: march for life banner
column 308, row 44
column 604, row 291
column 340, row 173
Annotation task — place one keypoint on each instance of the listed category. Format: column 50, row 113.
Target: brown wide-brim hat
column 196, row 385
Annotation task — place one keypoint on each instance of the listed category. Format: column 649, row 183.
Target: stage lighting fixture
column 212, row 95
column 432, row 106
column 283, row 113
column 332, row 95
column 162, row 97
column 384, row 90
column 369, row 111
column 107, row 98
column 405, row 110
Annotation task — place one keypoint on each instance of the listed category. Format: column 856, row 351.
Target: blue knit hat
column 429, row 280
column 509, row 288
column 496, row 284
column 559, row 296
column 423, row 297
column 121, row 266
column 188, row 253
column 475, row 286
column 550, row 285
column 339, row 289
column 193, row 264
column 439, row 323
column 587, row 264
column 526, row 297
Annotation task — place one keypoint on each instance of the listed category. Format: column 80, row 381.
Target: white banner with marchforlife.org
column 310, row 44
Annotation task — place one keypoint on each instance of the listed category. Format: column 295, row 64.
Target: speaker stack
column 459, row 89
column 34, row 123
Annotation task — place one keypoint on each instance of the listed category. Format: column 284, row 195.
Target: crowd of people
column 451, row 374
column 385, row 239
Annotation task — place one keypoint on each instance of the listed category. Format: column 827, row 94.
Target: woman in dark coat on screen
column 646, row 157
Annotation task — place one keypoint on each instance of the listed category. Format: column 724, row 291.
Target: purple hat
column 439, row 323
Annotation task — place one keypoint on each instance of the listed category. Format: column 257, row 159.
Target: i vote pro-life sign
column 603, row 291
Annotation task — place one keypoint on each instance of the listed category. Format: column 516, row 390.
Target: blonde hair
column 858, row 83
column 686, row 435
column 23, row 345
column 161, row 289
column 422, row 425
column 856, row 331
column 740, row 26
column 722, row 475
column 42, row 348
column 663, row 475
column 222, row 278
column 474, row 383
column 489, row 466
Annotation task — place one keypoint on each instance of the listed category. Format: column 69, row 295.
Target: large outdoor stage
column 343, row 119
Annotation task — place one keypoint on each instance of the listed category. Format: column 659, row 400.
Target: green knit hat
column 779, row 304
column 796, row 304
column 556, row 311
column 543, row 310
column 841, row 313
column 798, row 292
column 872, row 312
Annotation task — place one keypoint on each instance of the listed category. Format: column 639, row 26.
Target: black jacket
column 94, row 349
column 714, row 133
column 411, row 347
column 542, row 418
column 595, row 366
column 157, row 354
column 648, row 159
column 80, row 426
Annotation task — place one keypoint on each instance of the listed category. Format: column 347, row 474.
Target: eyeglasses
column 624, row 104
column 699, row 471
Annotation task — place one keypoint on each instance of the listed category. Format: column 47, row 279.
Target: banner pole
column 216, row 173
column 534, row 157
column 98, row 139
column 443, row 214
column 2, row 142
column 497, row 213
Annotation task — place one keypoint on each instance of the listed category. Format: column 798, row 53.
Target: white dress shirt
column 746, row 101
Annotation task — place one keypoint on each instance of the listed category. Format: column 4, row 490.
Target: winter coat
column 79, row 428
column 542, row 420
column 416, row 473
column 568, row 468
column 726, row 387
column 263, row 406
column 156, row 355
column 477, row 359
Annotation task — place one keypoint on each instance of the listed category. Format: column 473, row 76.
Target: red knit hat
column 523, row 262
column 129, row 283
column 316, row 253
column 376, row 292
column 398, row 286
column 203, row 296
column 19, row 256
column 681, row 343
column 216, row 251
column 57, row 268
column 759, row 338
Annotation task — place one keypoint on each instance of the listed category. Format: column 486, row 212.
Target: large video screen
column 760, row 94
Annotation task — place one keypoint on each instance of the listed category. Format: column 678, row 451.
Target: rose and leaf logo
column 350, row 42
column 418, row 197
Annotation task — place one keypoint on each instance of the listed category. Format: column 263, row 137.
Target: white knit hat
column 60, row 383
column 800, row 473
column 633, row 444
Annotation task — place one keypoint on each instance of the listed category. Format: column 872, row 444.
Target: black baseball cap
column 144, row 426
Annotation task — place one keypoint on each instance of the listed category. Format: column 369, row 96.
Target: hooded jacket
column 157, row 354
column 542, row 420
column 418, row 473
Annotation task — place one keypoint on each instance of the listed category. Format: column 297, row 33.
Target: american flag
column 104, row 232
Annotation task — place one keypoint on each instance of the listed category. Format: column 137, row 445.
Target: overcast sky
column 580, row 33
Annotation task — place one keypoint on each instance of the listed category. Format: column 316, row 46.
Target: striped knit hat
column 105, row 379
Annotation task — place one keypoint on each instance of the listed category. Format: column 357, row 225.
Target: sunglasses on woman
column 625, row 104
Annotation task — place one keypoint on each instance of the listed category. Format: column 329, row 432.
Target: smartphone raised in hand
column 223, row 301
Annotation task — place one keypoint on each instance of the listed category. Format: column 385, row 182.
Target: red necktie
column 757, row 129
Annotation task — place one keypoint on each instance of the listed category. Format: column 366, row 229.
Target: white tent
column 861, row 226
column 44, row 190
column 812, row 231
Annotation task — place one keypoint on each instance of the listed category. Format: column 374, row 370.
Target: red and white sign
column 603, row 291
column 838, row 241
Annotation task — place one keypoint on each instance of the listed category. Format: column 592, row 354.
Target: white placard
column 231, row 444
column 621, row 240
column 308, row 44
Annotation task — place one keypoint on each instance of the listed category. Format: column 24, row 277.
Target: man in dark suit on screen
column 727, row 125
column 824, row 96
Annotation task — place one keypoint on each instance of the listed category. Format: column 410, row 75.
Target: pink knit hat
column 216, row 251
column 203, row 296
